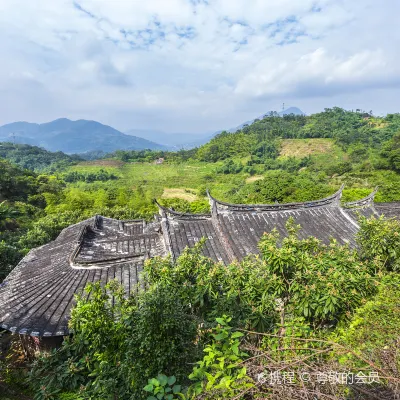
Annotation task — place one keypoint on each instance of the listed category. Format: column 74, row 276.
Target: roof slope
column 389, row 210
column 37, row 296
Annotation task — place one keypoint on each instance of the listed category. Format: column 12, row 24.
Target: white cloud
column 317, row 71
column 176, row 65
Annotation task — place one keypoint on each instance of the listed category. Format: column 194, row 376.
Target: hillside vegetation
column 305, row 147
column 36, row 158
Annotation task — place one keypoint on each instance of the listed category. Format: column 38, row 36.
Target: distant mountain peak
column 79, row 136
column 292, row 110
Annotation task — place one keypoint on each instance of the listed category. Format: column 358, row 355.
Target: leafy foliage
column 391, row 152
column 221, row 374
column 116, row 346
column 379, row 241
column 163, row 388
column 102, row 175
column 36, row 158
column 318, row 282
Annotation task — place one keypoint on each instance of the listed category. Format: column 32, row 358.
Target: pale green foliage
column 164, row 388
column 375, row 326
column 379, row 241
column 318, row 282
column 220, row 374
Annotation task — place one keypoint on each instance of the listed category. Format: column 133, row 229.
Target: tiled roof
column 37, row 296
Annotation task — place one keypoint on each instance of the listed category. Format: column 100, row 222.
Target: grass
column 304, row 147
column 163, row 179
column 254, row 178
column 102, row 163
column 171, row 180
column 174, row 193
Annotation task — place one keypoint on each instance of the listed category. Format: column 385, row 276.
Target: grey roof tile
column 37, row 296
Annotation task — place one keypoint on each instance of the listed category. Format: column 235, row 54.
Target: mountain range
column 84, row 136
column 74, row 136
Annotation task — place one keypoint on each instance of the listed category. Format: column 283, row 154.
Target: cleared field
column 254, row 178
column 305, row 147
column 102, row 163
column 154, row 179
column 175, row 193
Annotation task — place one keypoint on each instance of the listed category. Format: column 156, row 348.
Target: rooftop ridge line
column 330, row 200
column 366, row 201
column 183, row 215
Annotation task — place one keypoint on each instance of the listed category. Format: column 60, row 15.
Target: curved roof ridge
column 182, row 215
column 327, row 201
column 366, row 201
column 388, row 204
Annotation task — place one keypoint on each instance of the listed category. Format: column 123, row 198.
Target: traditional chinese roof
column 37, row 296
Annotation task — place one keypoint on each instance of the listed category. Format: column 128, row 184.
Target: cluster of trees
column 23, row 201
column 88, row 177
column 391, row 153
column 282, row 187
column 230, row 167
column 138, row 155
column 355, row 132
column 152, row 155
column 203, row 330
column 35, row 158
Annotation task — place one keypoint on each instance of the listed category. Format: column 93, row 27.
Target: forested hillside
column 352, row 131
column 36, row 158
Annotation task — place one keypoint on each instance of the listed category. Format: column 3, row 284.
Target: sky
column 195, row 66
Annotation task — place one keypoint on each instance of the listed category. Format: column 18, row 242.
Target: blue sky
column 194, row 66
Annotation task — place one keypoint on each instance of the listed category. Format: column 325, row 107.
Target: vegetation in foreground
column 249, row 330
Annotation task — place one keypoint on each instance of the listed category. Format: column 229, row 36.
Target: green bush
column 379, row 242
column 118, row 345
column 161, row 336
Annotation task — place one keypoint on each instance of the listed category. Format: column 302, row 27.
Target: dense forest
column 202, row 330
column 36, row 158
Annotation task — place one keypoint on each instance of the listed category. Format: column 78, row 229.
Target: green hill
column 74, row 136
column 35, row 158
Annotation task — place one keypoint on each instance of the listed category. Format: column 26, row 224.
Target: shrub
column 322, row 283
column 221, row 375
column 118, row 345
column 161, row 336
column 379, row 241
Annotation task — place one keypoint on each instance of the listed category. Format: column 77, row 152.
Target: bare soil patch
column 179, row 193
column 305, row 147
column 102, row 163
column 254, row 178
